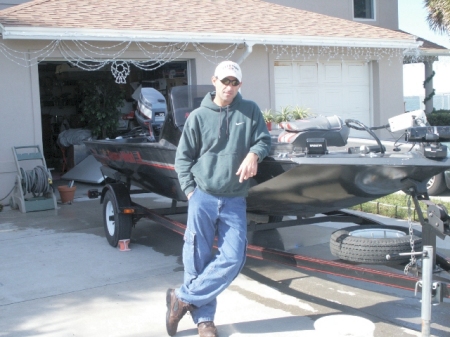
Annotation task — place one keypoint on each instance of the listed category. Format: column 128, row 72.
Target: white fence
column 440, row 101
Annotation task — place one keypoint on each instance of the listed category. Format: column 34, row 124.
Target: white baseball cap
column 228, row 68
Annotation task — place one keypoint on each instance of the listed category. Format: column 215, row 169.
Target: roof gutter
column 69, row 34
column 434, row 52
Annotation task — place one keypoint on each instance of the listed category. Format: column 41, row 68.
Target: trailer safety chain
column 412, row 262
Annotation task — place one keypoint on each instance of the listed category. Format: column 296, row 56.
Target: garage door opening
column 61, row 101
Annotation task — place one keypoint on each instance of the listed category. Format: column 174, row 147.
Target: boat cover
column 332, row 128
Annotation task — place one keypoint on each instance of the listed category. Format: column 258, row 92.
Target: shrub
column 439, row 117
column 101, row 100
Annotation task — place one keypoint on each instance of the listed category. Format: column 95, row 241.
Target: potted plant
column 268, row 118
column 299, row 112
column 101, row 100
column 284, row 115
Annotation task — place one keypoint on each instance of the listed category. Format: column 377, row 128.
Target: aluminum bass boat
column 313, row 167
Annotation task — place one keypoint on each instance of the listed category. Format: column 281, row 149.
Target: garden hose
column 36, row 181
column 12, row 189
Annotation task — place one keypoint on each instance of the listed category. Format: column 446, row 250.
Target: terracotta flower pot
column 66, row 193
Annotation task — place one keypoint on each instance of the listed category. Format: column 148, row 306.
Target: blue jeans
column 207, row 274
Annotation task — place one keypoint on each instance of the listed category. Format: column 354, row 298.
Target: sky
column 412, row 19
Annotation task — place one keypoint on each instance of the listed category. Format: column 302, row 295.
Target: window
column 363, row 9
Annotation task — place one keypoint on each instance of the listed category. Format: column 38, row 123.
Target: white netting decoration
column 311, row 53
column 120, row 71
column 218, row 55
column 87, row 56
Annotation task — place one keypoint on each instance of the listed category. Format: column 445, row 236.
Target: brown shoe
column 207, row 329
column 176, row 309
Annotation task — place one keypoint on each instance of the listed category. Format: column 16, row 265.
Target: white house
column 346, row 64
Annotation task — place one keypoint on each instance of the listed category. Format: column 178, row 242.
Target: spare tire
column 370, row 244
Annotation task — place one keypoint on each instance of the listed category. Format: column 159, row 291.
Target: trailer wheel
column 370, row 244
column 436, row 185
column 117, row 226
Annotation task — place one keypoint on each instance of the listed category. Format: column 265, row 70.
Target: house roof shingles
column 254, row 17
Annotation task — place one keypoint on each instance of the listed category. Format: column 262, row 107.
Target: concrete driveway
column 59, row 277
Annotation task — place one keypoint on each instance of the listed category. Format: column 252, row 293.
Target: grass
column 396, row 206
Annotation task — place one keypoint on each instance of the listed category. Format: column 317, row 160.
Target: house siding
column 10, row 3
column 386, row 11
column 390, row 87
column 20, row 111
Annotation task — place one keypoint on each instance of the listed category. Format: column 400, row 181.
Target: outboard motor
column 151, row 108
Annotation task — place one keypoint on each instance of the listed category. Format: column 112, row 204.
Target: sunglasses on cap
column 227, row 81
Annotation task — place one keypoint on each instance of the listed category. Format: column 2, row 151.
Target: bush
column 439, row 117
column 100, row 106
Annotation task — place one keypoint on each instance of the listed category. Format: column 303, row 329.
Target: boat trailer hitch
column 431, row 291
column 437, row 222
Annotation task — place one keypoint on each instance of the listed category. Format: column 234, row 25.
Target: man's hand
column 190, row 195
column 248, row 168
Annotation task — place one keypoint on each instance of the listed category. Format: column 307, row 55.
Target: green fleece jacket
column 215, row 141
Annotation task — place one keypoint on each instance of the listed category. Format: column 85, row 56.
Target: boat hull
column 308, row 186
column 296, row 185
column 147, row 165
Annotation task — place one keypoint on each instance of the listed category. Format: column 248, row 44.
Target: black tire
column 117, row 226
column 365, row 244
column 436, row 185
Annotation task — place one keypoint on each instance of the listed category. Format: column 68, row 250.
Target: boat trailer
column 122, row 213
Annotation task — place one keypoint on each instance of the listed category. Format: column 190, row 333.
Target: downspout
column 248, row 51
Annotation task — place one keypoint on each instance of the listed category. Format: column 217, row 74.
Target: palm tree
column 438, row 15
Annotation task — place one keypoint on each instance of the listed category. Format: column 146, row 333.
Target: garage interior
column 61, row 98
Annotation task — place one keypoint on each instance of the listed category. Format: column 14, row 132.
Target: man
column 220, row 148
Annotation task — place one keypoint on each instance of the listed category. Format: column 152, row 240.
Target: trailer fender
column 120, row 192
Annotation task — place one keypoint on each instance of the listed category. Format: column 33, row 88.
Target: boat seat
column 332, row 128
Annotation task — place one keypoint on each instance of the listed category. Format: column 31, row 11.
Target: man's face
column 225, row 93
